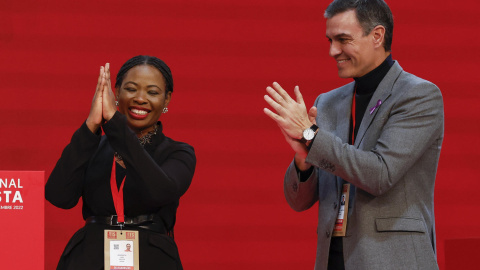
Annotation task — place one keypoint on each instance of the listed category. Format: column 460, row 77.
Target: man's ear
column 378, row 34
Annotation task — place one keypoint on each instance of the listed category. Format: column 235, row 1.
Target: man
column 381, row 134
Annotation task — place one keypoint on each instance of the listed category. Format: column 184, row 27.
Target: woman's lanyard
column 117, row 194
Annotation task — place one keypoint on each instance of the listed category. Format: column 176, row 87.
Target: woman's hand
column 108, row 98
column 95, row 118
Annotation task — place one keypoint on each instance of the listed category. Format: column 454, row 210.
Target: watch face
column 308, row 134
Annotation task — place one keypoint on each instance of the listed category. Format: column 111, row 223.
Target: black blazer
column 157, row 175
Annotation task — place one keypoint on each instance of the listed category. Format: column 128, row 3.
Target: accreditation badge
column 341, row 222
column 121, row 250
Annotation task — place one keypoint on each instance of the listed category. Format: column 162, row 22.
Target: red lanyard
column 353, row 114
column 117, row 194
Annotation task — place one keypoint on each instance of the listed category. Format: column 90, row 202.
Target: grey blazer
column 392, row 165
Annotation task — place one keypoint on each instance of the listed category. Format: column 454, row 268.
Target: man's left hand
column 291, row 116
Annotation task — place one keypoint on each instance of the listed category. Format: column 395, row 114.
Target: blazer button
column 328, row 234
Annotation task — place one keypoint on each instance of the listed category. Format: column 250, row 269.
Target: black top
column 156, row 176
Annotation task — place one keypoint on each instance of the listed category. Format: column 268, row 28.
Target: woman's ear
column 117, row 92
column 168, row 97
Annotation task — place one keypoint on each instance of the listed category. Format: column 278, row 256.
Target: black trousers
column 335, row 256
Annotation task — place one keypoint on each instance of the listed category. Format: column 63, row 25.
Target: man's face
column 353, row 51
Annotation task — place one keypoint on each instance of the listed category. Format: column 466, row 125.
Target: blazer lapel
column 380, row 96
column 343, row 121
column 344, row 114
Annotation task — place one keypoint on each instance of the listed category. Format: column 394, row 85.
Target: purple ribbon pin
column 379, row 102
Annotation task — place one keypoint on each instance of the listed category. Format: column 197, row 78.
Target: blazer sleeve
column 162, row 181
column 413, row 124
column 65, row 183
column 300, row 195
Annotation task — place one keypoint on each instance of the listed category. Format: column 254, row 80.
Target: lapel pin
column 379, row 102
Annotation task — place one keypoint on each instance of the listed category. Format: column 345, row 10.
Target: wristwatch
column 309, row 135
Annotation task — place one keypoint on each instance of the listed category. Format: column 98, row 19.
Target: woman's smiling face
column 142, row 97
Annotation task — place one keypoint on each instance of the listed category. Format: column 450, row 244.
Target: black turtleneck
column 365, row 87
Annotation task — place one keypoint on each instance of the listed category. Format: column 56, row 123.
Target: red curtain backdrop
column 223, row 54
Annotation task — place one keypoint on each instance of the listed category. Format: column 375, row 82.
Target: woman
column 157, row 169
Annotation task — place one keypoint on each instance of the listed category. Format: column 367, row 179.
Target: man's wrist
column 308, row 135
column 301, row 163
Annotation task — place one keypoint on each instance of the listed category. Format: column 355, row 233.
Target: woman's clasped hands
column 103, row 105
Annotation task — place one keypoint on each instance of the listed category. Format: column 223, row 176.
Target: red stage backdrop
column 223, row 54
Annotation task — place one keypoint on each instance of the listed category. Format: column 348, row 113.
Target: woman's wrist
column 92, row 126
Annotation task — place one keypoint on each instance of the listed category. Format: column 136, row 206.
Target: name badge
column 121, row 250
column 341, row 222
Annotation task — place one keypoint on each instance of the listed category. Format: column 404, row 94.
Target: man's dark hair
column 146, row 60
column 370, row 13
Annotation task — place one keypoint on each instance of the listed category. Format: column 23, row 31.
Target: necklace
column 143, row 140
column 147, row 138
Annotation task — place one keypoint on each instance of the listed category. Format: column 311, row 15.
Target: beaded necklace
column 143, row 140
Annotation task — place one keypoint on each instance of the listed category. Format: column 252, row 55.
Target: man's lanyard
column 353, row 114
column 117, row 194
column 340, row 228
